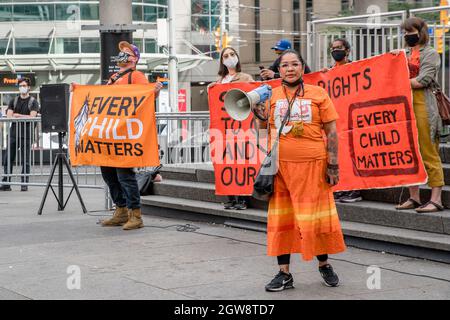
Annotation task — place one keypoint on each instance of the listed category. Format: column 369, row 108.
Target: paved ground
column 36, row 253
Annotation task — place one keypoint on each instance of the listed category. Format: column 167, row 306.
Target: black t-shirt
column 22, row 106
column 24, row 131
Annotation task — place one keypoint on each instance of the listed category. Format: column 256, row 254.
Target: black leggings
column 286, row 259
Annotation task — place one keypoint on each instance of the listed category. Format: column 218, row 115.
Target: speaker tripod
column 60, row 161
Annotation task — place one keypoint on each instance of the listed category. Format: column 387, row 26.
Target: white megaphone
column 239, row 104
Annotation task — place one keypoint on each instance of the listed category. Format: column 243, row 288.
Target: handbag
column 145, row 180
column 443, row 103
column 263, row 186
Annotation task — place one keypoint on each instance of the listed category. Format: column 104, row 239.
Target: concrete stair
column 372, row 224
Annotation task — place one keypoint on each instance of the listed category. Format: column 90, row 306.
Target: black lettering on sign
column 118, row 147
column 222, row 96
column 240, row 176
column 381, row 141
column 112, row 106
column 227, row 176
column 139, row 152
column 347, row 85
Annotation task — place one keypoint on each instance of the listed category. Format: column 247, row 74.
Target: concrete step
column 412, row 243
column 384, row 214
column 369, row 212
column 202, row 207
column 445, row 152
column 200, row 174
column 188, row 190
column 398, row 195
column 201, row 191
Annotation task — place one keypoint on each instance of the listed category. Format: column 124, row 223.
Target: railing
column 27, row 153
column 374, row 34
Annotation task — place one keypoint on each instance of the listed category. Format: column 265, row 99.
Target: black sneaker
column 229, row 205
column 5, row 188
column 23, row 188
column 351, row 197
column 240, row 205
column 329, row 276
column 281, row 282
column 338, row 195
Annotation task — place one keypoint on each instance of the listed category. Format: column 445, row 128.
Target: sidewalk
column 163, row 263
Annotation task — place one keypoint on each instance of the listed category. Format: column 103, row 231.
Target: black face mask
column 412, row 39
column 293, row 84
column 339, row 55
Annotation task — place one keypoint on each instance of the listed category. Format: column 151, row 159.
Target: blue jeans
column 123, row 187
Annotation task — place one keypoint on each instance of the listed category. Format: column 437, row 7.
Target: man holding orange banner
column 117, row 127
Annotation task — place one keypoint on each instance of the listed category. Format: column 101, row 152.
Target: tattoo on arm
column 332, row 145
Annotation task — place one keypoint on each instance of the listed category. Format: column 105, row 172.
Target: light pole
column 173, row 61
column 113, row 29
column 223, row 22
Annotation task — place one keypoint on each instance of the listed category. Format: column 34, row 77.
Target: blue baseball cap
column 283, row 45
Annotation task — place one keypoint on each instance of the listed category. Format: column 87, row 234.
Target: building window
column 151, row 13
column 90, row 12
column 66, row 45
column 5, row 13
column 32, row 46
column 28, row 12
column 205, row 15
column 64, row 12
column 137, row 13
column 3, row 44
column 90, row 45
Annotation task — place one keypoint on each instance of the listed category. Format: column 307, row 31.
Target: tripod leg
column 48, row 187
column 74, row 183
column 60, row 183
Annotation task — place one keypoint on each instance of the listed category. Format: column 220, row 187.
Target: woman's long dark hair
column 223, row 70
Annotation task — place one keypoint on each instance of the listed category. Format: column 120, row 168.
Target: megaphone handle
column 258, row 116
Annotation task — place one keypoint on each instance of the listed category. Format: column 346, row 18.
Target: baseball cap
column 283, row 45
column 132, row 47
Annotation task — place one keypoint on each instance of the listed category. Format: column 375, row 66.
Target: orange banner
column 378, row 139
column 113, row 126
column 234, row 150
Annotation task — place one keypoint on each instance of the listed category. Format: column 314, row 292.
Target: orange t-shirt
column 314, row 108
column 137, row 77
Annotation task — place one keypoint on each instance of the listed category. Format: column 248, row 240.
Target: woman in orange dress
column 302, row 215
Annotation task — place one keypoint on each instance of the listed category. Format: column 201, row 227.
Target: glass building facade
column 15, row 12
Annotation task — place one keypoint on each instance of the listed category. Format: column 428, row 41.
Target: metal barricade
column 28, row 154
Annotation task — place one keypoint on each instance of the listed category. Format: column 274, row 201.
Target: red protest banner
column 378, row 139
column 234, row 151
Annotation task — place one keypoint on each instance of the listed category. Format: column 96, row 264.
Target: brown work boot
column 134, row 220
column 119, row 218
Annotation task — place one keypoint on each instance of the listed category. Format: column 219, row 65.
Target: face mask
column 122, row 58
column 231, row 62
column 412, row 39
column 293, row 84
column 23, row 90
column 338, row 55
